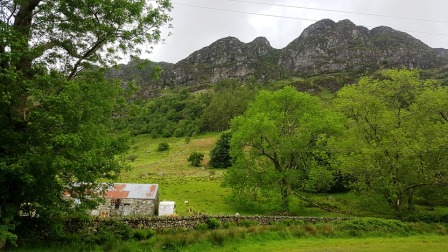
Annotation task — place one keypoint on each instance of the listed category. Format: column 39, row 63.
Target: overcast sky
column 198, row 23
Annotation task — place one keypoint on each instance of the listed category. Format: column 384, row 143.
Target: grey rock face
column 324, row 47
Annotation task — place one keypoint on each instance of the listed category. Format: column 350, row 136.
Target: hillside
column 325, row 47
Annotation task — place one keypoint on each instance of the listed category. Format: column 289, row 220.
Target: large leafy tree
column 276, row 143
column 55, row 104
column 397, row 135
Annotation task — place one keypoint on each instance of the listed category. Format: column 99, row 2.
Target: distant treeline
column 188, row 114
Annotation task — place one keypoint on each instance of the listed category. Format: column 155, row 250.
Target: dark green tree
column 55, row 104
column 196, row 158
column 220, row 154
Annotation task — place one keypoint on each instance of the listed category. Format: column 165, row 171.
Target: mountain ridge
column 322, row 48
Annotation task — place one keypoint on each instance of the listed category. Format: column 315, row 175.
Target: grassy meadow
column 410, row 244
column 201, row 186
column 177, row 179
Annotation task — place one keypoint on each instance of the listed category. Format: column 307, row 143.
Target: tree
column 229, row 100
column 220, row 154
column 196, row 158
column 56, row 105
column 397, row 135
column 274, row 142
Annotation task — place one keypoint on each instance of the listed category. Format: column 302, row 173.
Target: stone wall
column 190, row 222
column 125, row 207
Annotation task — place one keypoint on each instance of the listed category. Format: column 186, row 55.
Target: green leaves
column 396, row 134
column 273, row 143
column 56, row 106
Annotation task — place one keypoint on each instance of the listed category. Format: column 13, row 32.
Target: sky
column 198, row 23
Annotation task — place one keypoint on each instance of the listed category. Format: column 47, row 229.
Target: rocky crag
column 322, row 48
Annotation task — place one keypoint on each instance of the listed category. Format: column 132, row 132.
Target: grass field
column 200, row 186
column 177, row 179
column 409, row 244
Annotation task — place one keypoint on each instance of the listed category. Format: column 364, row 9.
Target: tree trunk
column 284, row 189
column 411, row 200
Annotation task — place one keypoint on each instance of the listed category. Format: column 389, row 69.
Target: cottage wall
column 125, row 207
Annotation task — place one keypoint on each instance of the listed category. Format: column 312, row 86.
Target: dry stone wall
column 190, row 222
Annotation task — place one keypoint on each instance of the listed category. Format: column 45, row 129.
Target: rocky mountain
column 322, row 48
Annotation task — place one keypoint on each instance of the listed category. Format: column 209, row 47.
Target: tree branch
column 443, row 116
column 92, row 50
column 334, row 210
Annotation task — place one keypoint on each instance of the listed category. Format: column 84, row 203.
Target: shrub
column 376, row 225
column 6, row 237
column 287, row 222
column 229, row 224
column 427, row 217
column 144, row 234
column 201, row 226
column 218, row 237
column 163, row 146
column 195, row 158
column 131, row 157
column 214, row 223
column 248, row 223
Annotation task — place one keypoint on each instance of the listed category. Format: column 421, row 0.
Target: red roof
column 132, row 191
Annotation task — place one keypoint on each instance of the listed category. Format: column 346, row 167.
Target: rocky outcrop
column 224, row 59
column 323, row 48
column 327, row 47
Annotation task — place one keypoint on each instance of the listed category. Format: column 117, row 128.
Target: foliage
column 397, row 135
column 213, row 223
column 56, row 106
column 132, row 157
column 247, row 223
column 144, row 234
column 69, row 36
column 360, row 226
column 220, row 154
column 229, row 100
column 196, row 158
column 276, row 142
column 163, row 146
column 172, row 115
column 6, row 236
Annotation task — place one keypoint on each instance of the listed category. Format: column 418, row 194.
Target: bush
column 131, row 157
column 248, row 223
column 426, row 217
column 218, row 237
column 195, row 159
column 163, row 146
column 229, row 224
column 376, row 225
column 144, row 234
column 6, row 237
column 201, row 226
column 213, row 223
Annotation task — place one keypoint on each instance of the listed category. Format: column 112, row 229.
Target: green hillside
column 178, row 180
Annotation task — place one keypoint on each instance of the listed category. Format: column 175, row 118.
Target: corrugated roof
column 132, row 191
